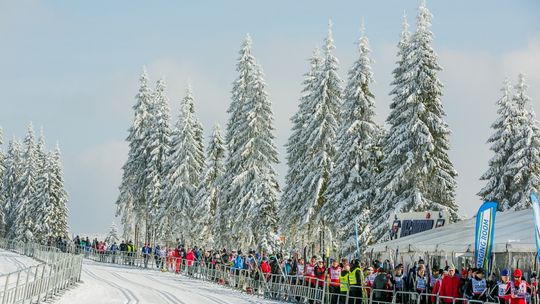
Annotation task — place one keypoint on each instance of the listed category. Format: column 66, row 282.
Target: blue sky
column 72, row 67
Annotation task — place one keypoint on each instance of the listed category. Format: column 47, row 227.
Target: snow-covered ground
column 10, row 262
column 104, row 283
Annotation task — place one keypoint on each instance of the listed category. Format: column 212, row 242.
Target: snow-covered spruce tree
column 356, row 164
column 112, row 237
column 250, row 187
column 58, row 225
column 40, row 205
column 208, row 194
column 183, row 169
column 132, row 201
column 502, row 144
column 318, row 140
column 12, row 175
column 296, row 151
column 417, row 173
column 26, row 189
column 524, row 163
column 157, row 144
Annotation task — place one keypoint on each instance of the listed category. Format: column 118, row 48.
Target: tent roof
column 514, row 232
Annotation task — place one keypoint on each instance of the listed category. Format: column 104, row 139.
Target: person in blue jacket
column 146, row 251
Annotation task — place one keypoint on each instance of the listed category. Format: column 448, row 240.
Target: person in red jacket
column 520, row 289
column 190, row 257
column 320, row 272
column 265, row 268
column 177, row 259
column 450, row 286
column 333, row 273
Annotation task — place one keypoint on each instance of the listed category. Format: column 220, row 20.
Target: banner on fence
column 485, row 230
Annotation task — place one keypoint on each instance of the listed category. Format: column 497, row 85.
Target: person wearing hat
column 398, row 281
column 309, row 273
column 320, row 272
column 520, row 291
column 433, row 277
column 450, row 286
column 344, row 281
column 420, row 282
column 356, row 277
column 437, row 286
column 370, row 277
column 477, row 286
column 333, row 273
column 501, row 290
column 380, row 286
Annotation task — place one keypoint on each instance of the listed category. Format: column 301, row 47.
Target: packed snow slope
column 105, row 283
column 10, row 262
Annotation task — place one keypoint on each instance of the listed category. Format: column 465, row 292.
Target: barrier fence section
column 281, row 287
column 56, row 271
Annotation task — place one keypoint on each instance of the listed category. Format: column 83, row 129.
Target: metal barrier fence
column 56, row 271
column 280, row 287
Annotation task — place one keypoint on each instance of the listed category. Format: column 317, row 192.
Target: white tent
column 514, row 232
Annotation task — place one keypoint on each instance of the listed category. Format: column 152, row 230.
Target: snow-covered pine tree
column 249, row 184
column 112, row 237
column 502, row 142
column 208, row 194
column 3, row 202
column 158, row 137
column 58, row 225
column 356, row 164
column 40, row 205
column 183, row 169
column 26, row 189
column 12, row 175
column 417, row 173
column 524, row 163
column 245, row 67
column 296, row 150
column 132, row 201
column 318, row 140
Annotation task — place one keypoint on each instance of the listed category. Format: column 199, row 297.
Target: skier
column 501, row 290
column 420, row 282
column 477, row 286
column 398, row 281
column 520, row 289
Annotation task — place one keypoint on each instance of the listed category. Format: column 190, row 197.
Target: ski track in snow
column 11, row 262
column 106, row 283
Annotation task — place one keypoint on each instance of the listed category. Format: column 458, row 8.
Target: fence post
column 5, row 290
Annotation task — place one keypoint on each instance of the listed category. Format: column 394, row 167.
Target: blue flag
column 536, row 210
column 485, row 230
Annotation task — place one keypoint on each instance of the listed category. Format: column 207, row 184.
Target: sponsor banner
column 485, row 230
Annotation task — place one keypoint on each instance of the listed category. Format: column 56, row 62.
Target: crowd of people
column 356, row 278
